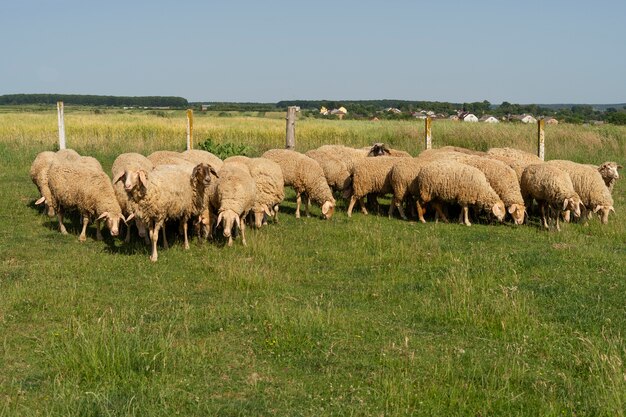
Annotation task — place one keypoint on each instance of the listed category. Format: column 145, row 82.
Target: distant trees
column 92, row 100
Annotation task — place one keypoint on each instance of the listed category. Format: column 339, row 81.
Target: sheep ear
column 611, row 209
column 103, row 215
column 565, row 203
column 238, row 222
column 619, row 167
column 325, row 208
column 119, row 177
column 40, row 200
column 142, row 177
column 267, row 210
column 130, row 217
column 213, row 171
column 219, row 219
column 595, row 210
column 512, row 208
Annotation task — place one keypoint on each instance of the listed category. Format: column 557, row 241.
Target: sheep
column 609, row 172
column 552, row 188
column 198, row 156
column 371, row 176
column 589, row 185
column 381, row 149
column 232, row 196
column 403, row 177
column 348, row 155
column 122, row 166
column 169, row 158
column 504, row 182
column 516, row 154
column 270, row 186
column 335, row 169
column 454, row 182
column 517, row 165
column 167, row 192
column 306, row 176
column 39, row 174
column 461, row 150
column 81, row 185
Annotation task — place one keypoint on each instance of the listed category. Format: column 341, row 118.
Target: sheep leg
column 62, row 228
column 298, row 203
column 185, row 226
column 420, row 211
column 98, row 233
column 243, row 232
column 544, row 221
column 351, row 205
column 83, row 232
column 154, row 236
column 276, row 213
column 165, row 244
column 127, row 237
column 465, row 212
column 558, row 228
column 308, row 206
column 439, row 213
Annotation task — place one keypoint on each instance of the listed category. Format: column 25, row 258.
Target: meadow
column 361, row 316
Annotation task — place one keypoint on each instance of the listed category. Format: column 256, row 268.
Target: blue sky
column 265, row 51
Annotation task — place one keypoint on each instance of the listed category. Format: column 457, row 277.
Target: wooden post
column 189, row 129
column 61, row 120
column 291, row 128
column 428, row 138
column 541, row 140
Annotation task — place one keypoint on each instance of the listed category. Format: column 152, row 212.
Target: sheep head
column 201, row 175
column 604, row 210
column 112, row 221
column 230, row 218
column 131, row 179
column 573, row 204
column 499, row 210
column 328, row 209
column 379, row 149
column 517, row 211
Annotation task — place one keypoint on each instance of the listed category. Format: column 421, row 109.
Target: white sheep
column 453, row 182
column 338, row 176
column 590, row 187
column 516, row 154
column 167, row 192
column 199, row 156
column 371, row 176
column 123, row 165
column 306, row 176
column 609, row 172
column 403, row 177
column 232, row 196
column 81, row 185
column 552, row 188
column 169, row 158
column 39, row 174
column 270, row 186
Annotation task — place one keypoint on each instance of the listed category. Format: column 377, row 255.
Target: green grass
column 361, row 316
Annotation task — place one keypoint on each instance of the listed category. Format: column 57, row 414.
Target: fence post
column 291, row 128
column 189, row 129
column 428, row 138
column 61, row 124
column 541, row 140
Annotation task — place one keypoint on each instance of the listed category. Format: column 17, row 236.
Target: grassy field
column 362, row 316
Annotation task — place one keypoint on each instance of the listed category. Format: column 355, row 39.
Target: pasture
column 361, row 316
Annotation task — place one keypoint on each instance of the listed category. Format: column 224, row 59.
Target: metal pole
column 61, row 125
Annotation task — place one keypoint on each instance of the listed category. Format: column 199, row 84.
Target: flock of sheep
column 197, row 186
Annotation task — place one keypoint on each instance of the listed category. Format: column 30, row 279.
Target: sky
column 541, row 52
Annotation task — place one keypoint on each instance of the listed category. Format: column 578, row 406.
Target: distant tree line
column 92, row 100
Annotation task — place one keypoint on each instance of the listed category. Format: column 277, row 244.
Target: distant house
column 524, row 118
column 469, row 117
column 393, row 110
column 550, row 121
column 340, row 112
column 488, row 119
column 419, row 114
column 324, row 111
column 205, row 107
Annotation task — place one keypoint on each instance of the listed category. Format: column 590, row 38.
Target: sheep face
column 499, row 210
column 604, row 212
column 229, row 219
column 112, row 222
column 378, row 149
column 609, row 170
column 573, row 204
column 328, row 208
column 201, row 175
column 517, row 212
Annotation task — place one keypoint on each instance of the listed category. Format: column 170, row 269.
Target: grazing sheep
column 454, row 182
column 199, row 156
column 348, row 155
column 381, row 149
column 122, row 166
column 81, row 185
column 516, row 154
column 335, row 169
column 306, row 176
column 504, row 182
column 403, row 177
column 167, row 192
column 552, row 188
column 516, row 165
column 270, row 186
column 232, row 196
column 39, row 174
column 371, row 176
column 589, row 185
